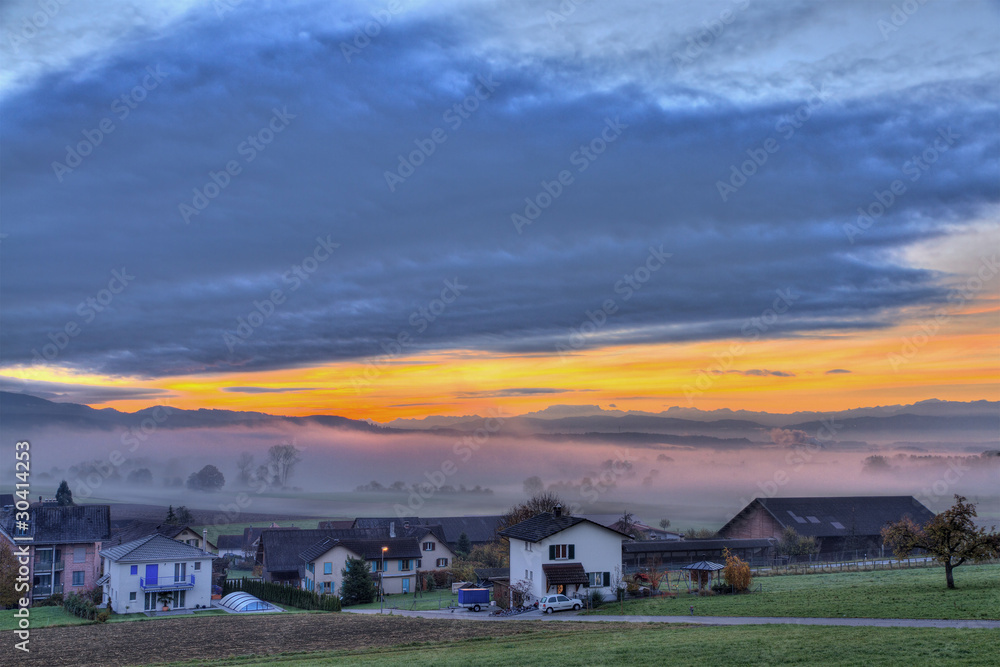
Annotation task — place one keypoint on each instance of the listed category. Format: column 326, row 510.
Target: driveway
column 697, row 620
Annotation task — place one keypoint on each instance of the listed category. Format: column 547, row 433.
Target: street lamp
column 381, row 580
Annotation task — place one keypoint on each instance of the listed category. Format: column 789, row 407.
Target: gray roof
column 68, row 524
column 479, row 529
column 839, row 516
column 540, row 526
column 704, row 565
column 154, row 547
column 399, row 547
column 230, row 542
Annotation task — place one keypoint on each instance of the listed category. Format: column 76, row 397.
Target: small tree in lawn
column 357, row 586
column 736, row 572
column 951, row 537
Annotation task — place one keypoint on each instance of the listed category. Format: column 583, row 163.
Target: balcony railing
column 47, row 565
column 46, row 590
column 170, row 583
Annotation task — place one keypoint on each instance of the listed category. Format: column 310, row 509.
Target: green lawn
column 238, row 574
column 432, row 600
column 919, row 593
column 644, row 644
column 41, row 617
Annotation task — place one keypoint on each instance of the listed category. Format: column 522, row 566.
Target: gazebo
column 701, row 572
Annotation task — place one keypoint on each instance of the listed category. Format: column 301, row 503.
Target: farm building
column 838, row 524
column 673, row 553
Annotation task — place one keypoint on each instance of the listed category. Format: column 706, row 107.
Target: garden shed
column 701, row 573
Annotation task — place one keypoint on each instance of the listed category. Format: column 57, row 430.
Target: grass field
column 643, row 644
column 40, row 617
column 432, row 600
column 917, row 593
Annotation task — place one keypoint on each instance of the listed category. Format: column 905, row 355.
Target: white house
column 326, row 560
column 138, row 572
column 564, row 554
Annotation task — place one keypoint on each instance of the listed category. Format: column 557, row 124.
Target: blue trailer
column 473, row 598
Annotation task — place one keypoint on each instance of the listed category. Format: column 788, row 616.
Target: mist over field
column 480, row 465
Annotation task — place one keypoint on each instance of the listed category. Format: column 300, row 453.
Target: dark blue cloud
column 323, row 178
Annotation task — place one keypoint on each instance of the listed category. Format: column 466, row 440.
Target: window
column 197, row 565
column 78, row 577
column 599, row 579
column 562, row 551
column 134, row 569
column 527, row 546
column 418, row 564
column 131, row 596
column 442, row 562
column 311, row 567
column 80, row 555
column 429, row 546
column 404, row 564
column 376, row 566
column 327, row 568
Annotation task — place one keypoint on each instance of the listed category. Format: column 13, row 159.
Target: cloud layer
column 604, row 129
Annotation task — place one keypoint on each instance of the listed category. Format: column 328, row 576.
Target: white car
column 553, row 603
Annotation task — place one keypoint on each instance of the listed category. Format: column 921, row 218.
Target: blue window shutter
column 552, row 552
column 607, row 578
column 572, row 551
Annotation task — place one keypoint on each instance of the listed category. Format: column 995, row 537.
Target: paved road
column 698, row 620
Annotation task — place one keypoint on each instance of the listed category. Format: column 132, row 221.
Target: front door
column 406, row 585
column 151, row 574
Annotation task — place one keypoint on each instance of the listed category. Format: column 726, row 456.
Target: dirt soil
column 170, row 640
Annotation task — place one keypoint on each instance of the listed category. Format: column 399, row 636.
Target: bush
column 596, row 597
column 283, row 595
column 737, row 572
column 54, row 600
column 80, row 605
column 103, row 617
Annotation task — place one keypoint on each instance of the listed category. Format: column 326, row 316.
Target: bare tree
column 244, row 464
column 282, row 460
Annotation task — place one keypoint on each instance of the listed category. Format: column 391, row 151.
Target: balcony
column 48, row 566
column 44, row 591
column 166, row 583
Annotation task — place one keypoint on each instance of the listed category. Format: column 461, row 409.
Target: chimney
column 557, row 510
column 204, row 543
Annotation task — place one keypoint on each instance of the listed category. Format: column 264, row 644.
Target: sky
column 402, row 209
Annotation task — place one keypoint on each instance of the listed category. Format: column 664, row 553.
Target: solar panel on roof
column 812, row 519
column 837, row 525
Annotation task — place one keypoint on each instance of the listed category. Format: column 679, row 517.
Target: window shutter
column 572, row 550
column 552, row 552
column 607, row 578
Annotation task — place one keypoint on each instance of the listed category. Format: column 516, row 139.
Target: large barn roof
column 838, row 516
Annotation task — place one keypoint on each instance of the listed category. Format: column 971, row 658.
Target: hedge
column 80, row 605
column 282, row 595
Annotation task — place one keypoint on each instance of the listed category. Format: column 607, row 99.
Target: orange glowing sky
column 960, row 363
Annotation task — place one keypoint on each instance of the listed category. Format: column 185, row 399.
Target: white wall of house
column 596, row 548
column 399, row 577
column 127, row 597
column 435, row 554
